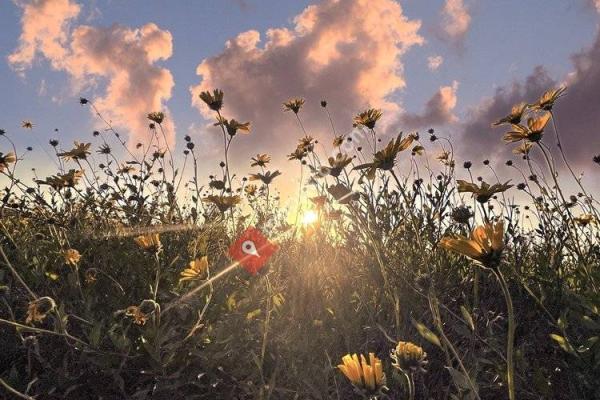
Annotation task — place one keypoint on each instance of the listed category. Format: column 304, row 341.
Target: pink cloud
column 348, row 52
column 438, row 110
column 455, row 21
column 122, row 58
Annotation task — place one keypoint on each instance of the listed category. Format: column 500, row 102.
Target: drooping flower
column 515, row 116
column 196, row 270
column 6, row 160
column 214, row 101
column 584, row 219
column 485, row 245
column 368, row 118
column 365, row 376
column 408, row 357
column 484, row 192
column 293, row 105
column 533, row 132
column 38, row 309
column 59, row 181
column 298, row 154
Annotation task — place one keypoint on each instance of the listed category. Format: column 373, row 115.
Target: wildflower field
column 400, row 275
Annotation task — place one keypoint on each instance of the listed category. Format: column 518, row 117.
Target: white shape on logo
column 248, row 247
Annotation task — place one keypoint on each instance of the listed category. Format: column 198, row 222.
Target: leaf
column 460, row 379
column 426, row 333
column 467, row 316
column 563, row 343
column 253, row 314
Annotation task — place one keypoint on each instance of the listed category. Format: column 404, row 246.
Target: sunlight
column 309, row 217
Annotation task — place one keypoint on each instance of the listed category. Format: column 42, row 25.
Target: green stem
column 510, row 373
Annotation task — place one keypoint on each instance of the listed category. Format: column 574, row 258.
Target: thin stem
column 510, row 368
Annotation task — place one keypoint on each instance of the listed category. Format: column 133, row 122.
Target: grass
column 456, row 291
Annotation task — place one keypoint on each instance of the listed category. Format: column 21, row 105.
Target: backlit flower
column 533, row 132
column 156, row 116
column 584, row 219
column 214, row 101
column 547, row 100
column 386, row 159
column 232, row 126
column 260, row 160
column 484, row 192
column 337, row 164
column 27, row 124
column 223, row 203
column 71, row 257
column 523, row 148
column 79, row 152
column 365, row 376
column 196, row 270
column 293, row 105
column 266, row 178
column 514, row 118
column 149, row 242
column 408, row 357
column 368, row 118
column 6, row 160
column 485, row 245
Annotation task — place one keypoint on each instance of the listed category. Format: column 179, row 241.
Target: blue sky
column 505, row 40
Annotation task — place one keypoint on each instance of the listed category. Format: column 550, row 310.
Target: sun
column 309, row 217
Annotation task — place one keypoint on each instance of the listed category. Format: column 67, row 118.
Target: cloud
column 348, row 52
column 121, row 58
column 438, row 110
column 434, row 62
column 44, row 27
column 576, row 114
column 455, row 21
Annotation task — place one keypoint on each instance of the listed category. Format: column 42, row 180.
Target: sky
column 454, row 65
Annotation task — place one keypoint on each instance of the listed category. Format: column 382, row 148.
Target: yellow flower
column 149, row 242
column 337, row 164
column 523, row 148
column 69, row 179
column 251, row 190
column 533, row 132
column 368, row 118
column 260, row 160
column 484, row 192
column 79, row 152
column 196, row 270
column 157, row 117
column 139, row 318
column 547, row 100
column 485, row 245
column 363, row 375
column 214, row 101
column 514, row 118
column 232, row 126
column 71, row 257
column 298, row 154
column 26, row 124
column 223, row 203
column 38, row 309
column 306, row 143
column 6, row 160
column 266, row 178
column 408, row 357
column 584, row 219
column 386, row 159
column 418, row 150
column 444, row 158
column 293, row 105
column 338, row 141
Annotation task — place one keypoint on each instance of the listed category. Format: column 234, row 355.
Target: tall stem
column 510, row 368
